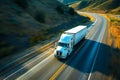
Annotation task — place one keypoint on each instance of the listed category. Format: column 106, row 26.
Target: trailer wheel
column 67, row 54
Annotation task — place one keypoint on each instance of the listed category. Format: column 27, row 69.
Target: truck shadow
column 90, row 54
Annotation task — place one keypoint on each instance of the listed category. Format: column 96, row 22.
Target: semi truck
column 68, row 40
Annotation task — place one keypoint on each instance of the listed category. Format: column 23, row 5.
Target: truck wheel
column 67, row 54
column 83, row 38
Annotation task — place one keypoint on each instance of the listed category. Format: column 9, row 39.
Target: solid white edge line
column 90, row 74
column 28, row 73
column 25, row 66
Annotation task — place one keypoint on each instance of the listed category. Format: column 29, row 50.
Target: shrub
column 36, row 38
column 40, row 16
column 5, row 51
column 71, row 11
column 21, row 3
column 59, row 9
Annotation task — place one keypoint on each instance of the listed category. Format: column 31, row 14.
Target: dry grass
column 115, row 36
column 114, row 43
column 86, row 15
column 114, row 31
column 75, row 6
column 116, row 11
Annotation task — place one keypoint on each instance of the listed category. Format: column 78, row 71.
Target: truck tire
column 67, row 54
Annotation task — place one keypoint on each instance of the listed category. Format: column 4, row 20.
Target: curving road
column 89, row 60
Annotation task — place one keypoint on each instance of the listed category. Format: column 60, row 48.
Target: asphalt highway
column 89, row 60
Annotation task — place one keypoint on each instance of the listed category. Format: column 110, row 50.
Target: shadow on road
column 91, row 55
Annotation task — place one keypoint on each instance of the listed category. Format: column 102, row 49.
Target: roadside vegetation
column 114, row 42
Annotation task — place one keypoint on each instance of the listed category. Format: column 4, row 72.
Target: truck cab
column 68, row 40
column 64, row 46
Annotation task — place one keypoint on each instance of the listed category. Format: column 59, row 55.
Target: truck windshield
column 63, row 44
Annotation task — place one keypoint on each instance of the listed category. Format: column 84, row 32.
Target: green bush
column 59, row 9
column 114, row 63
column 35, row 38
column 40, row 16
column 5, row 51
column 71, row 11
column 21, row 3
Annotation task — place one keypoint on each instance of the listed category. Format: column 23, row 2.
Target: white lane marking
column 27, row 51
column 46, row 52
column 97, row 52
column 91, row 31
column 93, row 25
column 35, row 68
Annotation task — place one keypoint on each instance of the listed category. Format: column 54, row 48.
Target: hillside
column 109, row 6
column 68, row 1
column 24, row 23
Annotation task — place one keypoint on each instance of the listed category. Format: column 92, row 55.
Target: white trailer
column 68, row 40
